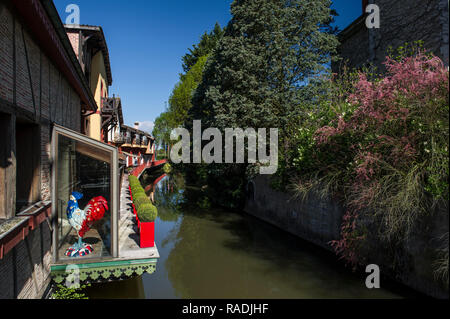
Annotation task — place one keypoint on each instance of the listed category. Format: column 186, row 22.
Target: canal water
column 212, row 253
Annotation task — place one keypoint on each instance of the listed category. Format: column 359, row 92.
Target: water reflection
column 211, row 253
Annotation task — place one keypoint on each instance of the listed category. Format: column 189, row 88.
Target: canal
column 212, row 253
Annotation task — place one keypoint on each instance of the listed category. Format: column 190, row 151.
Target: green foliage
column 147, row 212
column 180, row 99
column 179, row 104
column 207, row 44
column 405, row 50
column 139, row 194
column 138, row 191
column 258, row 76
column 164, row 124
column 133, row 180
column 62, row 292
column 266, row 68
column 381, row 145
column 140, row 201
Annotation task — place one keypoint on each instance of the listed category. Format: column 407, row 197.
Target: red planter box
column 147, row 235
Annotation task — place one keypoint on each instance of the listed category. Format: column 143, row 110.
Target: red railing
column 138, row 170
column 156, row 181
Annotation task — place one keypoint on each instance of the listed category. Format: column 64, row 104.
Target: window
column 85, row 197
column 20, row 171
column 28, row 172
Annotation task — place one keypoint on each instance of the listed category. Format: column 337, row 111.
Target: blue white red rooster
column 82, row 221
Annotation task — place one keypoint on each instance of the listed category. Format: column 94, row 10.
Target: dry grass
column 323, row 187
column 441, row 264
column 400, row 200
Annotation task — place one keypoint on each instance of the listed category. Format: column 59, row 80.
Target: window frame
column 114, row 189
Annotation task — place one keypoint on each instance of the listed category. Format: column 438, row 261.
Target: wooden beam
column 93, row 152
column 7, row 165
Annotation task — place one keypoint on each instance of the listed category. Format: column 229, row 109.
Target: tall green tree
column 261, row 72
column 180, row 99
column 208, row 42
column 266, row 71
column 162, row 128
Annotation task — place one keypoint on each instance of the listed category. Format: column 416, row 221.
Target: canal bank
column 319, row 221
column 215, row 253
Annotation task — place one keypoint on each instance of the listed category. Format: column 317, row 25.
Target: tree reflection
column 167, row 193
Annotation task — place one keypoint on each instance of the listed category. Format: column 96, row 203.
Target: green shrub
column 136, row 186
column 62, row 292
column 384, row 152
column 133, row 180
column 140, row 201
column 139, row 195
column 133, row 185
column 137, row 191
column 147, row 212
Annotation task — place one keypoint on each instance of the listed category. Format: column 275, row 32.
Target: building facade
column 90, row 47
column 400, row 22
column 107, row 124
column 41, row 84
column 138, row 146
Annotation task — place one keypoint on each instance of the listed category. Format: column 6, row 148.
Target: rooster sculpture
column 82, row 221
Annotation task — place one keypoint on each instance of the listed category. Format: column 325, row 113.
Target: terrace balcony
column 111, row 112
column 119, row 139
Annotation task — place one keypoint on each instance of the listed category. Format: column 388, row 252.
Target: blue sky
column 147, row 38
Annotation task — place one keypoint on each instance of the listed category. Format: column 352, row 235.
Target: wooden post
column 7, row 165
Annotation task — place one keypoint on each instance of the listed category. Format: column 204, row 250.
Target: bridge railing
column 138, row 170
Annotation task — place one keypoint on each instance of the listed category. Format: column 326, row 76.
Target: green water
column 211, row 253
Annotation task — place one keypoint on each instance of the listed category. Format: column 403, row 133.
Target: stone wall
column 319, row 221
column 400, row 22
column 315, row 220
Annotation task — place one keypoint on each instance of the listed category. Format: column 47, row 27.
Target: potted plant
column 144, row 211
column 140, row 200
column 133, row 185
column 147, row 215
